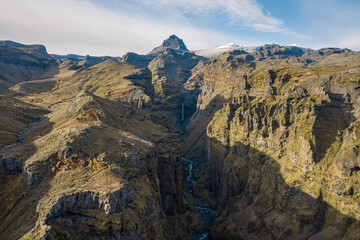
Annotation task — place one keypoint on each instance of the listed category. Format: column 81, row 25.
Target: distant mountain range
column 173, row 42
column 210, row 53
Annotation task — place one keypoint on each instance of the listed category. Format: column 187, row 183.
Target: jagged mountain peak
column 175, row 43
column 172, row 42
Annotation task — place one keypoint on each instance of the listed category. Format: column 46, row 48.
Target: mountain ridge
column 9, row 43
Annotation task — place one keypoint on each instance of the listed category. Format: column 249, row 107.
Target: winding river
column 206, row 213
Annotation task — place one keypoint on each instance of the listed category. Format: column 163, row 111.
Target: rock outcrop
column 171, row 69
column 139, row 61
column 173, row 42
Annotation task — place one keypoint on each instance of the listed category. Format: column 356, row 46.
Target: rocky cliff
column 280, row 146
column 18, row 64
column 170, row 145
column 38, row 47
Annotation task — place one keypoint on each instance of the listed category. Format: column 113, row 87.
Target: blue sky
column 114, row 27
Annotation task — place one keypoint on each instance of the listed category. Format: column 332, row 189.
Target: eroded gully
column 20, row 136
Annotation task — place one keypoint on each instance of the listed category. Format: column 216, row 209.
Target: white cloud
column 245, row 13
column 80, row 26
column 352, row 42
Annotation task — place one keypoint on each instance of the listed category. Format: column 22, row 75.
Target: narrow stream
column 190, row 177
column 20, row 136
column 206, row 213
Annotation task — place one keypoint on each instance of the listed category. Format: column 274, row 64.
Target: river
column 206, row 213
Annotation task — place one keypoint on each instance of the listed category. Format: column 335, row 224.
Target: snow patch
column 293, row 45
column 232, row 45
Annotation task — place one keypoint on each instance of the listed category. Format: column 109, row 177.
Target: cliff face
column 38, row 47
column 148, row 147
column 281, row 146
column 170, row 70
column 101, row 164
column 22, row 64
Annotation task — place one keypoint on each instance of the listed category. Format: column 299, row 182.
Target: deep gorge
column 172, row 145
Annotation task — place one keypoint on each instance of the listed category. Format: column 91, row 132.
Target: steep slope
column 141, row 61
column 23, row 64
column 87, row 61
column 16, row 117
column 173, row 42
column 171, row 70
column 280, row 148
column 106, row 79
column 97, row 166
column 13, row 44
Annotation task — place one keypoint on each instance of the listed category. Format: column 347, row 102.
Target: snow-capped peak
column 232, row 45
column 293, row 45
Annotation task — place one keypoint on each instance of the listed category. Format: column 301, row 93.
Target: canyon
column 260, row 144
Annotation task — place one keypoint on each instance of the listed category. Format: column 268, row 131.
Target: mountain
column 173, row 42
column 141, row 61
column 22, row 63
column 232, row 46
column 255, row 143
column 171, row 69
column 70, row 56
column 19, row 45
column 210, row 53
column 138, row 60
column 18, row 64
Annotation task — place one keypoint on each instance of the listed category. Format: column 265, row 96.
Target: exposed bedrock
column 276, row 169
column 113, row 202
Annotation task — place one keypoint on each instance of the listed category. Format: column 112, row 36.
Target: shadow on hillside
column 194, row 138
column 17, row 69
column 254, row 201
column 331, row 120
column 18, row 214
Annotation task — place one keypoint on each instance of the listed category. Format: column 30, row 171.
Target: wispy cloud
column 81, row 26
column 111, row 27
column 352, row 42
column 245, row 13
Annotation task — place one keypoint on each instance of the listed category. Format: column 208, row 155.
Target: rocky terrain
column 250, row 144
